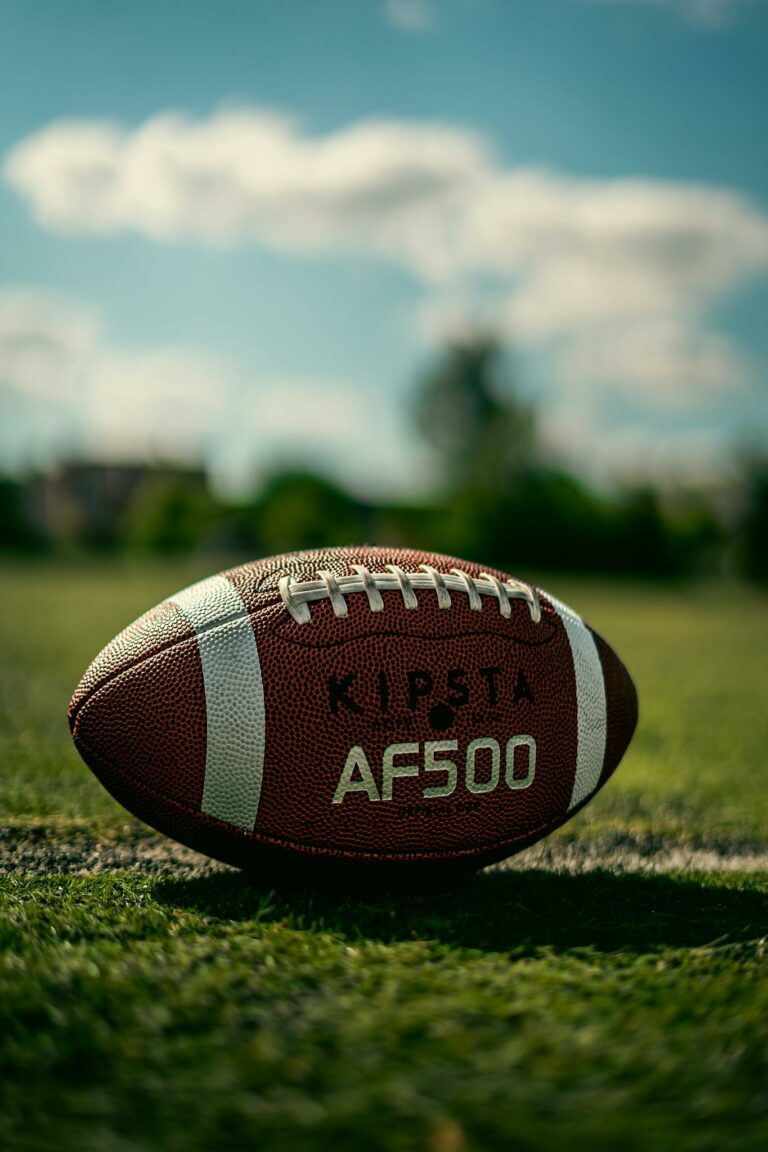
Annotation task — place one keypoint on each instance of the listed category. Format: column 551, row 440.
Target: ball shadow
column 513, row 912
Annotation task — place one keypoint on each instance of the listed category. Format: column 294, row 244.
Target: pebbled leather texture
column 140, row 717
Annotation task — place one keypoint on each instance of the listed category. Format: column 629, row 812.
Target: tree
column 16, row 531
column 753, row 543
column 481, row 433
column 168, row 513
column 302, row 510
column 508, row 505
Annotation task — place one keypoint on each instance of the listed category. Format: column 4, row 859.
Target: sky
column 242, row 231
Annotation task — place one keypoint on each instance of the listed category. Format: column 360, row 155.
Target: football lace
column 297, row 595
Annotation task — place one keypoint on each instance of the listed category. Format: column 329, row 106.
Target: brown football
column 360, row 705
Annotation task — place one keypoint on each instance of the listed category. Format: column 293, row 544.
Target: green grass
column 529, row 1009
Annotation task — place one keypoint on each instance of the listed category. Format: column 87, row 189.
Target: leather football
column 356, row 707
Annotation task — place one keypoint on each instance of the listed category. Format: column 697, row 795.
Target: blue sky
column 241, row 230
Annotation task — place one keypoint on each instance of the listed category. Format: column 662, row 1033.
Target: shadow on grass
column 518, row 912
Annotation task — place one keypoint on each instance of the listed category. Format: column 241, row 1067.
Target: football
column 356, row 707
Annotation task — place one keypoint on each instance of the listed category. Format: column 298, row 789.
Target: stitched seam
column 171, row 644
column 297, row 595
column 399, row 634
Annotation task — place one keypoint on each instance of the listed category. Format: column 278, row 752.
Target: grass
column 177, row 1007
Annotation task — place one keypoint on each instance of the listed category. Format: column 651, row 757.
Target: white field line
column 45, row 849
column 635, row 855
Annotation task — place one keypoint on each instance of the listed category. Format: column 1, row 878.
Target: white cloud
column 311, row 410
column 661, row 360
column 409, row 15
column 66, row 387
column 706, row 13
column 163, row 402
column 43, row 350
column 614, row 280
column 247, row 176
column 635, row 452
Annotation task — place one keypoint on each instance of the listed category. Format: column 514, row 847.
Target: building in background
column 93, row 504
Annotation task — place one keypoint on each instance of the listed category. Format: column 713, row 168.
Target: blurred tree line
column 507, row 502
column 500, row 500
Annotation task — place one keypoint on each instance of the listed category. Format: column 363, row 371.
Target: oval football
column 376, row 706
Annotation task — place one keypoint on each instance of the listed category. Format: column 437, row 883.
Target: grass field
column 607, row 991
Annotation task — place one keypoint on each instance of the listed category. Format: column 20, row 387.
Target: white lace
column 298, row 594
